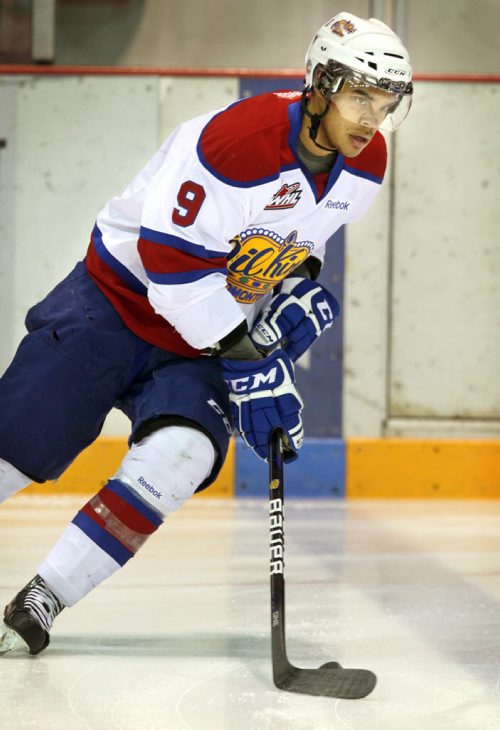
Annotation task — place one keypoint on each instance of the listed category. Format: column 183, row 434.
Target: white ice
column 180, row 638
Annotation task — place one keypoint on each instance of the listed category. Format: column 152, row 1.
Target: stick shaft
column 329, row 680
column 277, row 555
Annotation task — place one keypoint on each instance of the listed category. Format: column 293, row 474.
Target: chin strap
column 315, row 121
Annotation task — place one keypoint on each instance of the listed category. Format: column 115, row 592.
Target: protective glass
column 371, row 106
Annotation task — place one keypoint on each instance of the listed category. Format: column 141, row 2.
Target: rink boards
column 415, row 354
column 355, row 468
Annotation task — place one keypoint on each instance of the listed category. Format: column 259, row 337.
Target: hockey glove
column 263, row 397
column 295, row 317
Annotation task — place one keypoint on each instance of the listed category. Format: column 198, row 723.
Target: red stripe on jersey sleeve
column 161, row 259
column 135, row 309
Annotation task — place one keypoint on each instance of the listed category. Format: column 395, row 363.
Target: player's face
column 354, row 115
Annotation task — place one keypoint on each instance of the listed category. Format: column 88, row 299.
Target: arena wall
column 413, row 364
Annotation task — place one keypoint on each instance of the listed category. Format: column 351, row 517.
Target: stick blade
column 328, row 681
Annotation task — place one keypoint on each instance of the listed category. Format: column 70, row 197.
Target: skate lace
column 41, row 603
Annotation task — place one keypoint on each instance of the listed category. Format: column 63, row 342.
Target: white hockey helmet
column 363, row 52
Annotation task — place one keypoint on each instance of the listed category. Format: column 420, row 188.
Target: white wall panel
column 183, row 98
column 72, row 142
column 79, row 141
column 8, row 93
column 365, row 319
column 76, row 142
column 445, row 345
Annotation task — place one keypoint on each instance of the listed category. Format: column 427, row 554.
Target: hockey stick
column 330, row 680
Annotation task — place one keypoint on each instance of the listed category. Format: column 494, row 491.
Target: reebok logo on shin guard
column 149, row 488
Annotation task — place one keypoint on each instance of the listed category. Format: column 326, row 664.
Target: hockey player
column 197, row 294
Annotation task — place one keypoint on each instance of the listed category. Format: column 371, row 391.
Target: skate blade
column 10, row 640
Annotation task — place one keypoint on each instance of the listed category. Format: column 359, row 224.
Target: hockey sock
column 155, row 478
column 11, row 480
column 102, row 537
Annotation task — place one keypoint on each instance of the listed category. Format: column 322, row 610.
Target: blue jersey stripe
column 130, row 280
column 183, row 277
column 364, row 174
column 166, row 239
column 223, row 178
column 234, row 183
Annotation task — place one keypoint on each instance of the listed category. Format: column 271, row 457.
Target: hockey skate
column 28, row 618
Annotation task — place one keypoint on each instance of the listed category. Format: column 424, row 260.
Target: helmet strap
column 315, row 121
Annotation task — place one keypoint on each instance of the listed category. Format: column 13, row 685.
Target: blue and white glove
column 263, row 397
column 295, row 317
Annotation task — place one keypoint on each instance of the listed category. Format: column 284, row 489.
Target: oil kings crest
column 260, row 259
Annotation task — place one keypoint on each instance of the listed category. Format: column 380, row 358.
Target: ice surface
column 180, row 637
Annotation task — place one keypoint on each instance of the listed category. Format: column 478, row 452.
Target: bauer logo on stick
column 277, row 537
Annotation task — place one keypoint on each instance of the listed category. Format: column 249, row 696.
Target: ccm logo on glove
column 325, row 310
column 263, row 396
column 253, row 382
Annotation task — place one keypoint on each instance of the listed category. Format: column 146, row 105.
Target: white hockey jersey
column 220, row 215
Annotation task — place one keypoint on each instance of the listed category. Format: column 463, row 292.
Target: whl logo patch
column 287, row 197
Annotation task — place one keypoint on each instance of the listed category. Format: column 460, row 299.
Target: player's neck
column 315, row 163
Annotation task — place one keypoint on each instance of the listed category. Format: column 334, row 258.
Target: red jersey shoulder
column 372, row 160
column 248, row 142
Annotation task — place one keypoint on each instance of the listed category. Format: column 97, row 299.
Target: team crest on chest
column 287, row 197
column 260, row 259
